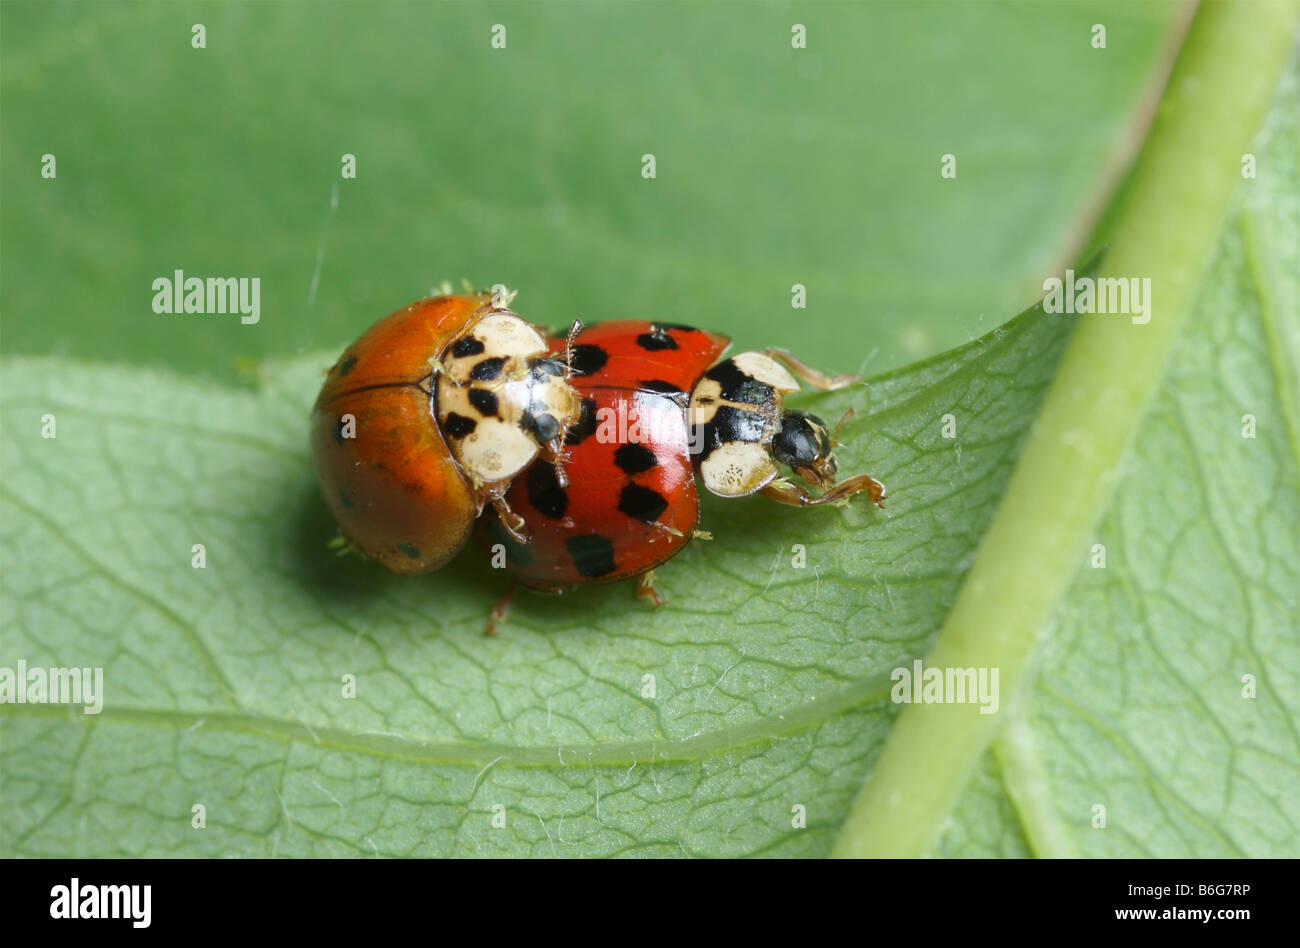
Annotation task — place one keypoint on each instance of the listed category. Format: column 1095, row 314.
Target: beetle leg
column 430, row 381
column 513, row 523
column 500, row 608
column 787, row 492
column 503, row 296
column 645, row 589
column 670, row 530
column 806, row 373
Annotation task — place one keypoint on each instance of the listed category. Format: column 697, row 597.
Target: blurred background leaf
column 522, row 165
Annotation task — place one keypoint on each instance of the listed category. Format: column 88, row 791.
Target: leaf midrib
column 388, row 746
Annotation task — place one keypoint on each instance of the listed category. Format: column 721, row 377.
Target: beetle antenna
column 568, row 348
column 835, row 435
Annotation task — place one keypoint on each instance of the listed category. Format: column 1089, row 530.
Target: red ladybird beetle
column 428, row 417
column 659, row 407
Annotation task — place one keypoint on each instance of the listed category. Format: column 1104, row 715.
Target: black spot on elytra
column 347, row 365
column 346, row 500
column 634, row 458
column 458, row 426
column 642, row 503
column 587, row 359
column 408, row 550
column 585, row 426
column 545, row 492
column 338, row 433
column 517, row 554
column 484, row 401
column 662, row 387
column 487, row 370
column 469, row 346
column 656, row 339
column 738, row 386
column 593, row 554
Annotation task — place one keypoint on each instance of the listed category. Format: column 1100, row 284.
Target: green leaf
column 223, row 685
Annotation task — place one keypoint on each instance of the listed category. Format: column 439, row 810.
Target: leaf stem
column 1167, row 231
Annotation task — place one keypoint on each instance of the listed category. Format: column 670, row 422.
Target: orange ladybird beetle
column 427, row 417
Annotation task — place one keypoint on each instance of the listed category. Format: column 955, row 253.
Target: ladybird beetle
column 658, row 405
column 428, row 417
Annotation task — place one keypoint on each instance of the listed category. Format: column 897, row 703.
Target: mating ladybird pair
column 580, row 451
